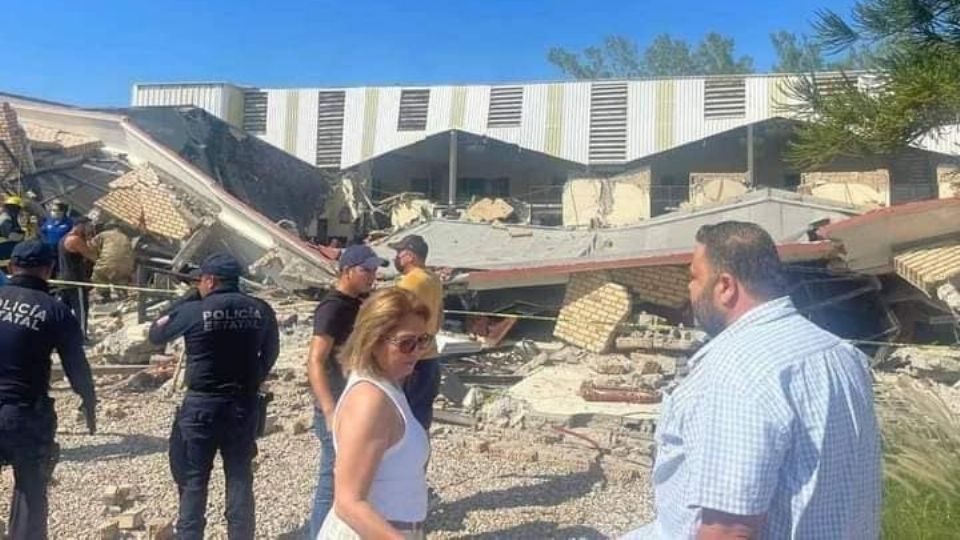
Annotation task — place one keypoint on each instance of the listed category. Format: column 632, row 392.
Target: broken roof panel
column 870, row 241
column 787, row 216
column 461, row 244
column 205, row 168
column 278, row 184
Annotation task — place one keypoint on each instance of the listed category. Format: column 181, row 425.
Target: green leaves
column 619, row 57
column 915, row 61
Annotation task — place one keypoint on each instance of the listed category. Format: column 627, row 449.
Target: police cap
column 32, row 254
column 221, row 265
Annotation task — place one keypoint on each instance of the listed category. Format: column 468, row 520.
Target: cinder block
column 130, row 520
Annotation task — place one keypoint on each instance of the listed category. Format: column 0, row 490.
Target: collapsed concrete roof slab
column 871, row 240
column 785, row 215
column 559, row 271
column 236, row 204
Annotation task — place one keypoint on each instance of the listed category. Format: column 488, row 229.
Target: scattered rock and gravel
column 488, row 483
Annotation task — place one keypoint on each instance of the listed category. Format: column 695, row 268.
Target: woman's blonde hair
column 378, row 318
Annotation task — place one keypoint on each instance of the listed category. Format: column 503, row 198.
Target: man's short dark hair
column 747, row 252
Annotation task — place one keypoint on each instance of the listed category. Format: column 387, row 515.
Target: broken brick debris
column 64, row 142
column 143, row 202
column 592, row 391
column 15, row 149
column 592, row 312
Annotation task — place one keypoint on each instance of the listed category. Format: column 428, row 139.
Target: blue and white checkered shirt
column 776, row 418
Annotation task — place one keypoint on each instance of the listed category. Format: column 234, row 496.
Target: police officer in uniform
column 32, row 325
column 232, row 343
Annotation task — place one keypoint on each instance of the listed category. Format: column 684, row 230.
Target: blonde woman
column 382, row 451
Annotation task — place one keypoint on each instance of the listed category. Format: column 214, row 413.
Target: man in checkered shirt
column 773, row 433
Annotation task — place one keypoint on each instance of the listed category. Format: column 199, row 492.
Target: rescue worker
column 232, row 342
column 56, row 225
column 32, row 325
column 75, row 264
column 115, row 260
column 11, row 231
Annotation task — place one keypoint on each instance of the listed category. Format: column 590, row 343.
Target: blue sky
column 91, row 52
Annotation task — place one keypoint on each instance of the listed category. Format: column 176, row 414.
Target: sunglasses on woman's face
column 408, row 344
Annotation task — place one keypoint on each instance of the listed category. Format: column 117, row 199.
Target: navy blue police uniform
column 32, row 325
column 232, row 343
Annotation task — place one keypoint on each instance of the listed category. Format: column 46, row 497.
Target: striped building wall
column 559, row 119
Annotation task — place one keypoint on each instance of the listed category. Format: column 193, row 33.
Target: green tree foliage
column 913, row 90
column 619, row 57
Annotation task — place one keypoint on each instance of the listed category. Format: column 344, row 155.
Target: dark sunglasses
column 407, row 344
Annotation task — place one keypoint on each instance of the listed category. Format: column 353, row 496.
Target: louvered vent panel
column 330, row 129
column 414, row 105
column 608, row 122
column 506, row 106
column 255, row 111
column 831, row 83
column 725, row 98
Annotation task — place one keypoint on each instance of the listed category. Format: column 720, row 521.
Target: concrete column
column 452, row 171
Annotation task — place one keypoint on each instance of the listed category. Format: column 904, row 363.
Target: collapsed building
column 180, row 180
column 562, row 213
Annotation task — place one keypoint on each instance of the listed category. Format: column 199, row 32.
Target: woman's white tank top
column 399, row 488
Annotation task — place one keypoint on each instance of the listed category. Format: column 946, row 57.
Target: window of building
column 608, row 122
column 725, row 98
column 506, row 106
column 330, row 108
column 414, row 105
column 255, row 111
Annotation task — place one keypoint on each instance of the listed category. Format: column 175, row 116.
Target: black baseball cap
column 221, row 265
column 361, row 255
column 413, row 242
column 32, row 254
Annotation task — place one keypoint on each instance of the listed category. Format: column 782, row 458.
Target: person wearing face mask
column 56, row 225
column 382, row 451
column 332, row 323
column 773, row 433
column 424, row 384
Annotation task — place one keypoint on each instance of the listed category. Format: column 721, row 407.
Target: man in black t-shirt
column 332, row 323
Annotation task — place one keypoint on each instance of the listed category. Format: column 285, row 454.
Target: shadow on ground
column 129, row 445
column 555, row 490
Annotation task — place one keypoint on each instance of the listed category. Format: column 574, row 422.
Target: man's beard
column 706, row 315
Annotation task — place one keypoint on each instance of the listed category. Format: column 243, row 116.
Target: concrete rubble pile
column 179, row 181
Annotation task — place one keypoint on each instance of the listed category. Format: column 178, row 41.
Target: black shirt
column 32, row 325
column 334, row 317
column 232, row 340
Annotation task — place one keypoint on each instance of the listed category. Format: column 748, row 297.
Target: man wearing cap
column 232, row 343
column 332, row 323
column 32, row 324
column 423, row 385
